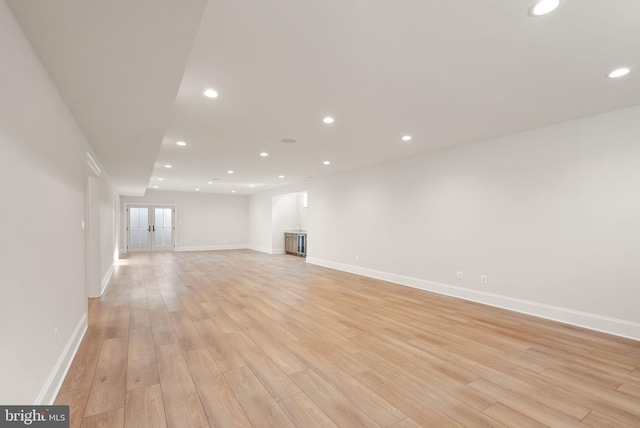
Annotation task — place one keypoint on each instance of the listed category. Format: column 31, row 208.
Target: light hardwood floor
column 241, row 339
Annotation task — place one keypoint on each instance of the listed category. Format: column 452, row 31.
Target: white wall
column 42, row 264
column 550, row 216
column 260, row 221
column 109, row 229
column 302, row 210
column 284, row 216
column 205, row 221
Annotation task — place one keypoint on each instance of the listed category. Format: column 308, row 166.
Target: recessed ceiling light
column 327, row 162
column 543, row 7
column 406, row 138
column 328, row 119
column 281, row 176
column 619, row 72
column 288, row 140
column 155, row 187
column 197, row 188
column 160, row 179
column 233, row 191
column 168, row 166
column 264, row 154
column 252, row 185
column 210, row 93
column 181, row 143
column 230, row 172
column 209, row 182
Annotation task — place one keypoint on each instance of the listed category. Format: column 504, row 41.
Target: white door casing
column 93, row 286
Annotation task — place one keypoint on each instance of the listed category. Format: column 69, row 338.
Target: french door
column 150, row 228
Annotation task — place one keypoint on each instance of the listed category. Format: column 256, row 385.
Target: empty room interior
column 334, row 213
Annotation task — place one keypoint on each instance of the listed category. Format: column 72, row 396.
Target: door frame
column 91, row 225
column 127, row 205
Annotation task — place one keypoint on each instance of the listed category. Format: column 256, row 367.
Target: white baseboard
column 590, row 321
column 213, row 247
column 51, row 387
column 106, row 278
column 265, row 250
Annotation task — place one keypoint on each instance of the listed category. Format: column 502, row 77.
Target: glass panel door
column 150, row 229
column 163, row 229
column 139, row 229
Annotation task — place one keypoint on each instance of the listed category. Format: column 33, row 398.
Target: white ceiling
column 445, row 72
column 118, row 65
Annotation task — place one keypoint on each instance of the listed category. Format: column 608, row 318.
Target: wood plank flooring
column 245, row 339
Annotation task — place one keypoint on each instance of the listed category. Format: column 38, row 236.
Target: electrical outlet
column 483, row 279
column 357, row 258
column 459, row 275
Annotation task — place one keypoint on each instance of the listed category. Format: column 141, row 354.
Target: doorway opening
column 288, row 215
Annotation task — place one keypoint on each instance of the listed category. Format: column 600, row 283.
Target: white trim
column 93, row 165
column 260, row 249
column 265, row 249
column 106, row 278
column 52, row 386
column 213, row 247
column 590, row 321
